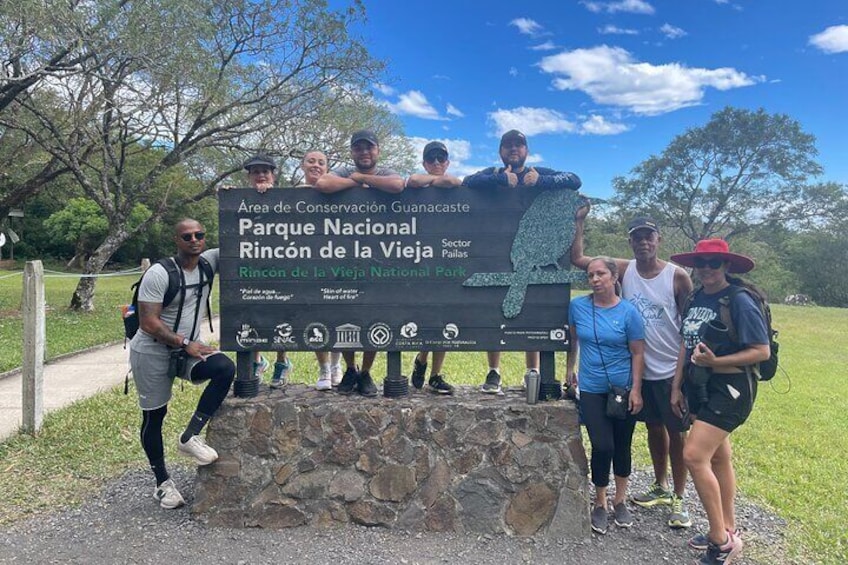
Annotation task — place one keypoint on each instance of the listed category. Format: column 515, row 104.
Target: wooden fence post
column 32, row 383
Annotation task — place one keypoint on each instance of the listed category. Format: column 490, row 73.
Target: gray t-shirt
column 153, row 286
column 347, row 170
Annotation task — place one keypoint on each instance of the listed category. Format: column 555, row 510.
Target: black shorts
column 730, row 399
column 656, row 396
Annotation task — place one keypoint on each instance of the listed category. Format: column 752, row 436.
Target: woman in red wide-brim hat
column 725, row 401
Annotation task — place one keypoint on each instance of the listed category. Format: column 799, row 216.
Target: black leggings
column 611, row 439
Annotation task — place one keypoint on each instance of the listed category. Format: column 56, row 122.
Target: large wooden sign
column 436, row 269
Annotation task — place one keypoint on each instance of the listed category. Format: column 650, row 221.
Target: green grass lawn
column 790, row 455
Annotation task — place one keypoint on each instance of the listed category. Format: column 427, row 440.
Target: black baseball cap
column 434, row 146
column 642, row 223
column 514, row 134
column 364, row 135
column 264, row 160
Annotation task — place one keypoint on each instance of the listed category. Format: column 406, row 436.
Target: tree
column 227, row 68
column 741, row 169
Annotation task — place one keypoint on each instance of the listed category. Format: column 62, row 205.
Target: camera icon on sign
column 558, row 334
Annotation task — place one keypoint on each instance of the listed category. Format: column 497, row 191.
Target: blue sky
column 599, row 86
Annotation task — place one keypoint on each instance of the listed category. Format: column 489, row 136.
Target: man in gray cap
column 436, row 162
column 513, row 152
column 658, row 289
column 365, row 152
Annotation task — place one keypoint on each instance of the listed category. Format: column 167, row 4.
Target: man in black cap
column 365, row 152
column 436, row 162
column 658, row 289
column 513, row 152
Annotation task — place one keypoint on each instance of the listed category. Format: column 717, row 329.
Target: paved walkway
column 69, row 379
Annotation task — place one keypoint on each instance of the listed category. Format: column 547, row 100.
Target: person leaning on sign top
column 170, row 334
column 436, row 162
column 261, row 174
column 726, row 400
column 513, row 152
column 365, row 152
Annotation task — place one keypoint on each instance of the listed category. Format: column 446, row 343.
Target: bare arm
column 571, row 356
column 153, row 325
column 637, row 369
column 578, row 256
column 682, row 288
column 678, row 403
column 391, row 183
column 446, row 181
column 329, row 182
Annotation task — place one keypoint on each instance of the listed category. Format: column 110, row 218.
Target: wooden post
column 32, row 383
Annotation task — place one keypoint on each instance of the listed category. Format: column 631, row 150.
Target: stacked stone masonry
column 466, row 463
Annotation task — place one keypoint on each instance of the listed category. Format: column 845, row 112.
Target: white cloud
column 454, row 111
column 531, row 121
column 610, row 75
column 832, row 40
column 611, row 29
column 546, row 46
column 597, row 125
column 413, row 103
column 384, row 89
column 534, row 158
column 528, row 26
column 513, row 72
column 441, row 77
column 630, row 6
column 672, row 32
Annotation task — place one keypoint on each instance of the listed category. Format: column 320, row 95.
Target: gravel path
column 125, row 525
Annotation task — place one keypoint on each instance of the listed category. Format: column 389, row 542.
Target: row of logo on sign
column 348, row 336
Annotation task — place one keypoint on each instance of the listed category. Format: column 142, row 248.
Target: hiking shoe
column 349, row 380
column 418, row 371
column 679, row 517
column 168, row 496
column 438, row 385
column 701, row 541
column 366, row 386
column 721, row 554
column 324, row 380
column 335, row 374
column 623, row 517
column 492, row 384
column 282, row 370
column 600, row 520
column 259, row 367
column 654, row 496
column 197, row 449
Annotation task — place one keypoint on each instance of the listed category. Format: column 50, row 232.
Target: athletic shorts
column 150, row 375
column 656, row 396
column 730, row 399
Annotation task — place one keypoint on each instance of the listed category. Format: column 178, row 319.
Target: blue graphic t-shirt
column 616, row 327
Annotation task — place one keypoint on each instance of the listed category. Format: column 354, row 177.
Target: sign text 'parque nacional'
column 432, row 268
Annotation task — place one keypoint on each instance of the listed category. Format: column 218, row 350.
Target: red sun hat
column 715, row 248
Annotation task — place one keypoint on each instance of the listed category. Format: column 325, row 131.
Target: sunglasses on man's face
column 440, row 157
column 198, row 235
column 712, row 263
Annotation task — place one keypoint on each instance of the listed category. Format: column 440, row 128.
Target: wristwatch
column 185, row 342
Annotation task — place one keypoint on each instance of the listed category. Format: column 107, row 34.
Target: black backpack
column 765, row 370
column 175, row 285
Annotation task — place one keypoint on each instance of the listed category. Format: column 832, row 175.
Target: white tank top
column 654, row 299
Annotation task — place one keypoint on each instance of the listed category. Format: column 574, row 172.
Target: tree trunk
column 83, row 298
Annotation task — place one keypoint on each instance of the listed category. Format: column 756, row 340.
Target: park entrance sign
column 437, row 269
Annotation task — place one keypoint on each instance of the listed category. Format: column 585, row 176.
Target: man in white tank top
column 658, row 289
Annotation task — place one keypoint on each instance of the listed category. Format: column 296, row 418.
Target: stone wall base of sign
column 462, row 463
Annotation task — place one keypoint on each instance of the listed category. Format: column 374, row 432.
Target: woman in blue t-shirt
column 609, row 334
column 728, row 396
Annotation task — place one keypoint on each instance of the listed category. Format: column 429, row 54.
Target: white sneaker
column 168, row 496
column 336, row 374
column 197, row 449
column 325, row 382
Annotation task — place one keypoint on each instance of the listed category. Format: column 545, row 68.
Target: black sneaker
column 349, row 381
column 438, row 385
column 366, row 386
column 418, row 371
column 492, row 384
column 599, row 520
